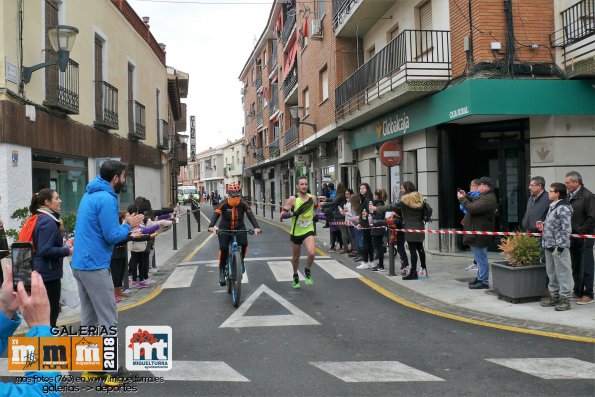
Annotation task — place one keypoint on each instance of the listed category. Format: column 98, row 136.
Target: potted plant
column 521, row 276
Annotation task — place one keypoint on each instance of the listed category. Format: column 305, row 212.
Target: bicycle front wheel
column 236, row 279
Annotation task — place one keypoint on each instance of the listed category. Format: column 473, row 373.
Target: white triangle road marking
column 374, row 371
column 203, row 371
column 549, row 368
column 239, row 320
column 283, row 270
column 336, row 269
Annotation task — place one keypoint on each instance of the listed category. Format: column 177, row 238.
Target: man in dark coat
column 537, row 206
column 581, row 250
column 481, row 214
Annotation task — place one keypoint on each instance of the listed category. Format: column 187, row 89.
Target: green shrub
column 520, row 250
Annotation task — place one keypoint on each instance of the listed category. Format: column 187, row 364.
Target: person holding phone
column 48, row 245
column 35, row 309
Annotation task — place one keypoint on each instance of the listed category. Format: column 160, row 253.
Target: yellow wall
column 123, row 44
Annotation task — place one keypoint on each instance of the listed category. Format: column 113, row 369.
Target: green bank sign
column 481, row 97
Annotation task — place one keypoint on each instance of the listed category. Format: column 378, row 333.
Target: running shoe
column 296, row 283
column 309, row 280
column 88, row 376
column 144, row 284
column 120, row 378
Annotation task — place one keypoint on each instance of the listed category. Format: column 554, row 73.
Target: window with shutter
column 424, row 36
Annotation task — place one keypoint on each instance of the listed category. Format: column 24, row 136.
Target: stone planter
column 516, row 284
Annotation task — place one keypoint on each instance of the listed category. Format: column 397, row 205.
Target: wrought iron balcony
column 274, row 148
column 259, row 154
column 162, row 134
column 274, row 103
column 106, row 105
column 259, row 119
column 577, row 38
column 290, row 138
column 258, row 81
column 136, row 120
column 419, row 55
column 290, row 81
column 287, row 29
column 62, row 89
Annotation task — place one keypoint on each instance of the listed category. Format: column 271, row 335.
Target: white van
column 184, row 193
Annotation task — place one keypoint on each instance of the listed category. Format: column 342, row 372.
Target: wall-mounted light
column 62, row 39
column 295, row 114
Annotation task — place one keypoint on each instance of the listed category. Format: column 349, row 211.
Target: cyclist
column 300, row 208
column 232, row 211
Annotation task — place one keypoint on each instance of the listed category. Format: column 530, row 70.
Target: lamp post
column 294, row 110
column 62, row 39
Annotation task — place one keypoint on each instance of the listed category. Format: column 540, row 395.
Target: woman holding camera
column 49, row 248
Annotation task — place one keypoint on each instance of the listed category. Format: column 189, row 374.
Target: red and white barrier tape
column 472, row 232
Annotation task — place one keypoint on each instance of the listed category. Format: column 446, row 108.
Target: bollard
column 391, row 256
column 175, row 233
column 257, row 208
column 272, row 202
column 188, row 220
column 198, row 218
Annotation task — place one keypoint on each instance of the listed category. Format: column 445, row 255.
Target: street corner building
column 88, row 83
column 329, row 83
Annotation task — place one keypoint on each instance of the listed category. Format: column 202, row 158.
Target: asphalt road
column 337, row 337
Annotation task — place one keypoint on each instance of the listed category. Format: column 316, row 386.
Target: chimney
column 146, row 21
column 162, row 46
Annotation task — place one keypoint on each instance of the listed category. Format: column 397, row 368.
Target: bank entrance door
column 497, row 150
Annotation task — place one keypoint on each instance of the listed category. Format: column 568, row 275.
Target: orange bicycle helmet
column 233, row 189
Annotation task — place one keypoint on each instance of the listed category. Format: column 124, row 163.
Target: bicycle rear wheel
column 236, row 279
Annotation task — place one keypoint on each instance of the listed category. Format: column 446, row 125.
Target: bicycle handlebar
column 249, row 231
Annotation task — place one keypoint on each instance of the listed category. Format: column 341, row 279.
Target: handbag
column 69, row 291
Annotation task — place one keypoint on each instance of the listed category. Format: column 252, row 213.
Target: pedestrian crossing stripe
column 336, row 270
column 202, row 371
column 374, row 371
column 180, row 278
column 239, row 320
column 283, row 270
column 549, row 368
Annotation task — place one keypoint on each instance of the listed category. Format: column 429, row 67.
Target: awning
column 290, row 60
column 481, row 97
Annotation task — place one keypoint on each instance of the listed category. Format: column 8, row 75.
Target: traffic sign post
column 391, row 153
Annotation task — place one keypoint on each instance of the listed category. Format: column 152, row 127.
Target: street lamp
column 62, row 39
column 295, row 110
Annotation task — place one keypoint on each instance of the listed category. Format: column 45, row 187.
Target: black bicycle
column 234, row 268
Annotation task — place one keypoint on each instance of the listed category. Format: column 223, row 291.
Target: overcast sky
column 211, row 42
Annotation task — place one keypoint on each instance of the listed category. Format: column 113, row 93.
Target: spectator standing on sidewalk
column 49, row 246
column 97, row 231
column 537, row 205
column 480, row 216
column 581, row 250
column 471, row 195
column 556, row 241
column 378, row 199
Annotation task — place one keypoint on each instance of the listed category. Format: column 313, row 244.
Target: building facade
column 112, row 101
column 464, row 91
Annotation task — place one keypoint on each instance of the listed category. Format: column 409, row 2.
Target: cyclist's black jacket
column 233, row 217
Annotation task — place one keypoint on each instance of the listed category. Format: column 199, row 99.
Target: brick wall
column 533, row 22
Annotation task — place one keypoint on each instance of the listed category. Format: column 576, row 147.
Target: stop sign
column 391, row 153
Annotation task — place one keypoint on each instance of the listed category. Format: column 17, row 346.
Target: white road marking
column 202, row 371
column 549, row 368
column 180, row 278
column 239, row 320
column 255, row 259
column 283, row 270
column 374, row 371
column 336, row 269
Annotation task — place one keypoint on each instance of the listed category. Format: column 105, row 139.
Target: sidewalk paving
column 446, row 291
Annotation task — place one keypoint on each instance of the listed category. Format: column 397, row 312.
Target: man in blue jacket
column 35, row 309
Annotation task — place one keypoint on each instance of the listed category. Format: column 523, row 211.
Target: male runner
column 232, row 211
column 300, row 208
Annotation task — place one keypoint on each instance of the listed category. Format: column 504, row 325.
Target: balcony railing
column 287, row 29
column 62, row 89
column 259, row 119
column 290, row 138
column 274, row 103
column 258, row 81
column 290, row 81
column 106, row 105
column 162, row 134
column 274, row 61
column 259, row 154
column 577, row 35
column 274, row 148
column 412, row 55
column 341, row 7
column 136, row 120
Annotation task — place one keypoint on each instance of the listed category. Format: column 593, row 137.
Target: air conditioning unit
column 316, row 31
column 344, row 152
column 322, row 152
